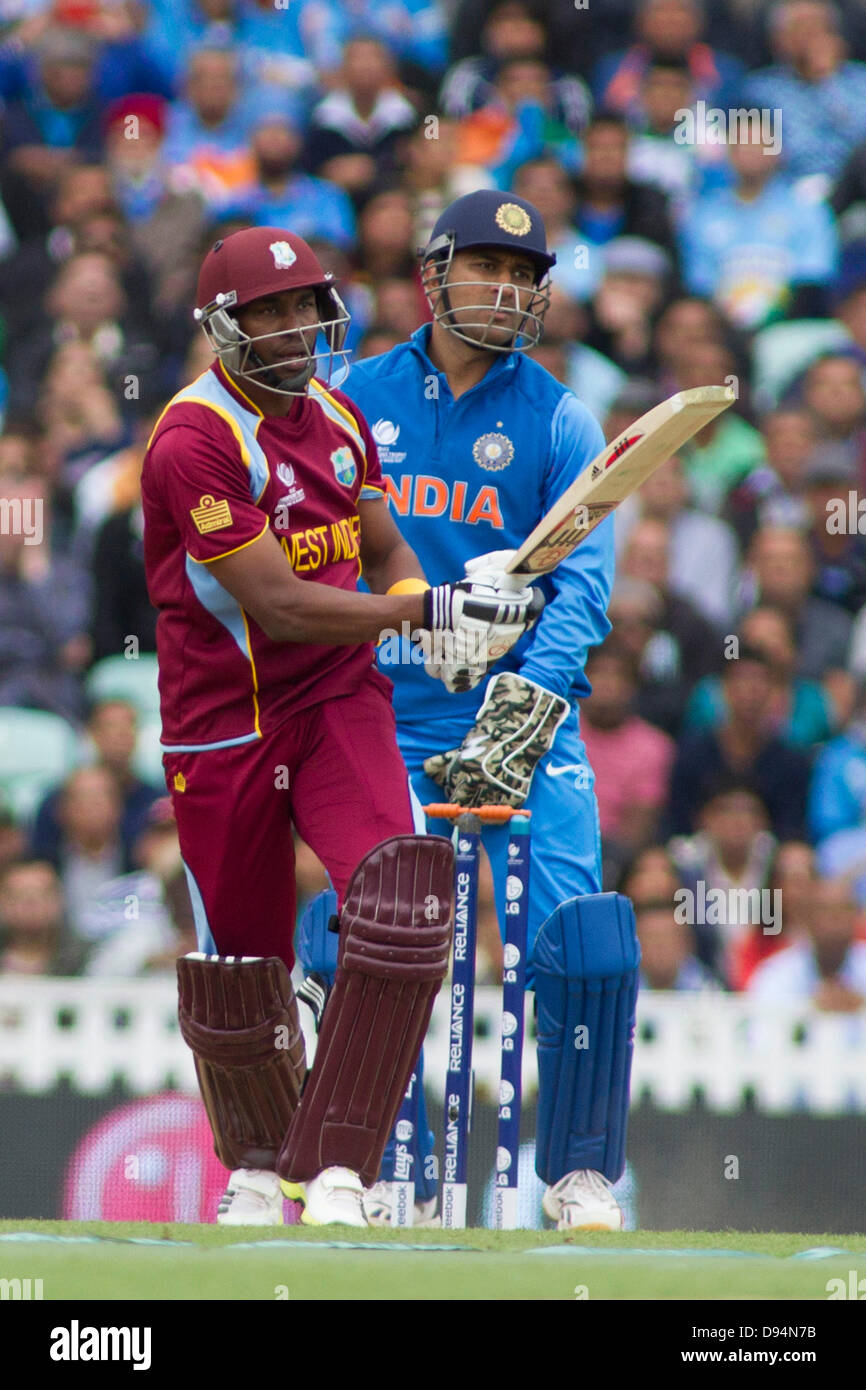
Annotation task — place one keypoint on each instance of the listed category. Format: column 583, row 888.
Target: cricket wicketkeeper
column 263, row 500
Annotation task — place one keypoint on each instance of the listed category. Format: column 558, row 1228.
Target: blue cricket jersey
column 477, row 474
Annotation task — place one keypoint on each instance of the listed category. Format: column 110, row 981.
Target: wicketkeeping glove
column 514, row 729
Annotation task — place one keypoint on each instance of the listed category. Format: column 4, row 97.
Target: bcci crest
column 345, row 466
column 493, row 451
column 511, row 217
column 284, row 256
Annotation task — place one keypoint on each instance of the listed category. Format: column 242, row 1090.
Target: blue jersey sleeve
column 575, row 618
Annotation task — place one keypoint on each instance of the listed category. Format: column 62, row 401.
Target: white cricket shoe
column 583, row 1201
column 253, row 1198
column 379, row 1203
column 333, row 1198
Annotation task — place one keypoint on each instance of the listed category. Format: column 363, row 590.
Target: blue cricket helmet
column 489, row 217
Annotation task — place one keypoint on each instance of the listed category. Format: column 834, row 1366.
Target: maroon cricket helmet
column 258, row 261
column 247, row 265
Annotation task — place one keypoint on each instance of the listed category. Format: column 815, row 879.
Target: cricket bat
column 615, row 474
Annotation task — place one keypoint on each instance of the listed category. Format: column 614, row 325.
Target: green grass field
column 101, row 1260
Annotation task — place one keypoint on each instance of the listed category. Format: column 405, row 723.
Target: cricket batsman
column 477, row 442
column 263, row 498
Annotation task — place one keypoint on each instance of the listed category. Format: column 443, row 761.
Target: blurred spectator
column 399, row 306
column 837, row 795
column 208, row 128
column 520, row 122
column 773, row 494
column 833, row 391
column 730, row 856
column 35, row 938
column 355, row 130
column 85, row 305
column 13, row 841
column 547, row 185
column 821, row 96
column 513, row 31
column 433, row 175
column 694, row 643
column 656, row 156
column 592, row 377
column 121, row 603
column 668, row 960
column 610, row 203
column 759, row 249
column 702, row 549
column 780, row 572
column 792, row 877
column 43, row 606
column 801, row 712
column 143, row 921
column 57, row 117
column 163, row 206
column 81, row 417
column 624, row 308
column 631, row 759
column 112, row 729
column 664, row 30
column 278, row 194
column 635, row 611
column 90, row 850
column 685, row 324
column 839, row 550
column 651, row 876
column 743, row 747
column 377, row 340
column 386, row 244
column 728, row 449
column 414, row 30
column 82, row 190
column 827, row 969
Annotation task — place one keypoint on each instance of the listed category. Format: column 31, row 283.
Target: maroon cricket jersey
column 217, row 474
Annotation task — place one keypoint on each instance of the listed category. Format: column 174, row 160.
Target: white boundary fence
column 726, row 1048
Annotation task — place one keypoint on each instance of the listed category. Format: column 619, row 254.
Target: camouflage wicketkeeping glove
column 514, row 729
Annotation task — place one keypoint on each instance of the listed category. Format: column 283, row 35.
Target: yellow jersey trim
column 255, row 674
column 226, row 553
column 231, row 381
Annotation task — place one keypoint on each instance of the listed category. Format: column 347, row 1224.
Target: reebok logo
column 77, row 1343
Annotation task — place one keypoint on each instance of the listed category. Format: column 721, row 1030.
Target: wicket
column 459, row 1082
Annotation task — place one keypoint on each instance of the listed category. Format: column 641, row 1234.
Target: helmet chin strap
column 285, row 385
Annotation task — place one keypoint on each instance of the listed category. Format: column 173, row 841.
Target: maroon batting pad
column 240, row 1018
column 395, row 938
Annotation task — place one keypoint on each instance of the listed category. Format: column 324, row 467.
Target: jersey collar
column 419, row 342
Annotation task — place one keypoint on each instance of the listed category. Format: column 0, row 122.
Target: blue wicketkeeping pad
column 316, row 946
column 586, row 961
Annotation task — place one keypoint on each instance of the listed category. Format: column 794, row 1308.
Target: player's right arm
column 194, row 471
column 289, row 609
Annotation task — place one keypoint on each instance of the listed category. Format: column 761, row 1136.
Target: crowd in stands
column 727, row 725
